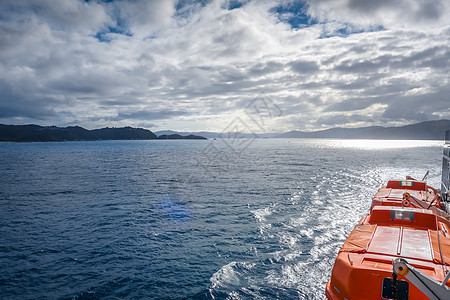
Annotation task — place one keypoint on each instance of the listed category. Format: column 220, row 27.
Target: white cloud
column 144, row 17
column 391, row 14
column 62, row 15
column 144, row 62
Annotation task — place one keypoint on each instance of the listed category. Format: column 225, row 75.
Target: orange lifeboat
column 408, row 193
column 364, row 265
column 400, row 249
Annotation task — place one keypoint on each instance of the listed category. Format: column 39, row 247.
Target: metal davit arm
column 445, row 182
column 432, row 288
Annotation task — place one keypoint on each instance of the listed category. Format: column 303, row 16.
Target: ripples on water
column 177, row 220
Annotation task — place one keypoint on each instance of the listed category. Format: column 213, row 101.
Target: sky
column 190, row 65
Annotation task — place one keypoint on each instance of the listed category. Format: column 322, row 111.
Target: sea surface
column 216, row 219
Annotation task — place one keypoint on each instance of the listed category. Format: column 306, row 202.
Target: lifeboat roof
column 400, row 232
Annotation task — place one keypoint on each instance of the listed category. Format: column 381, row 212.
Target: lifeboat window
column 406, row 183
column 402, row 215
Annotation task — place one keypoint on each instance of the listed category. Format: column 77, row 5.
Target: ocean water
column 216, row 219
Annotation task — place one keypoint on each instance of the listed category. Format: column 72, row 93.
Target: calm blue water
column 259, row 219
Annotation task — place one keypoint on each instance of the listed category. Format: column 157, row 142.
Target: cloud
column 143, row 18
column 415, row 107
column 63, row 15
column 149, row 115
column 195, row 65
column 392, row 14
column 304, row 67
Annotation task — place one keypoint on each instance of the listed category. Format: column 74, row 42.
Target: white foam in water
column 292, row 255
column 289, row 239
column 234, row 296
column 261, row 214
column 231, row 279
column 226, row 276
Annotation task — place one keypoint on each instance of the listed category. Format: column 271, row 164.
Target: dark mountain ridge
column 36, row 133
column 429, row 130
column 180, row 137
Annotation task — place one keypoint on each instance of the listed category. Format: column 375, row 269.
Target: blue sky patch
column 102, row 36
column 295, row 14
column 234, row 4
column 120, row 27
column 182, row 4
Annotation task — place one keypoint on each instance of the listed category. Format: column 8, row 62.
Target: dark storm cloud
column 14, row 106
column 304, row 67
column 369, row 65
column 344, row 119
column 369, row 6
column 417, row 107
column 266, row 68
column 23, row 100
column 381, row 11
column 350, row 105
column 25, row 109
column 437, row 57
column 149, row 115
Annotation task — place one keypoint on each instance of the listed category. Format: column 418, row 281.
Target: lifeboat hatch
column 388, row 290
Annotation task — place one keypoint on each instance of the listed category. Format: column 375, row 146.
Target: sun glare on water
column 384, row 144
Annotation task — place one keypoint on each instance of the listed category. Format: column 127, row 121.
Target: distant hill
column 212, row 134
column 430, row 130
column 180, row 137
column 36, row 133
